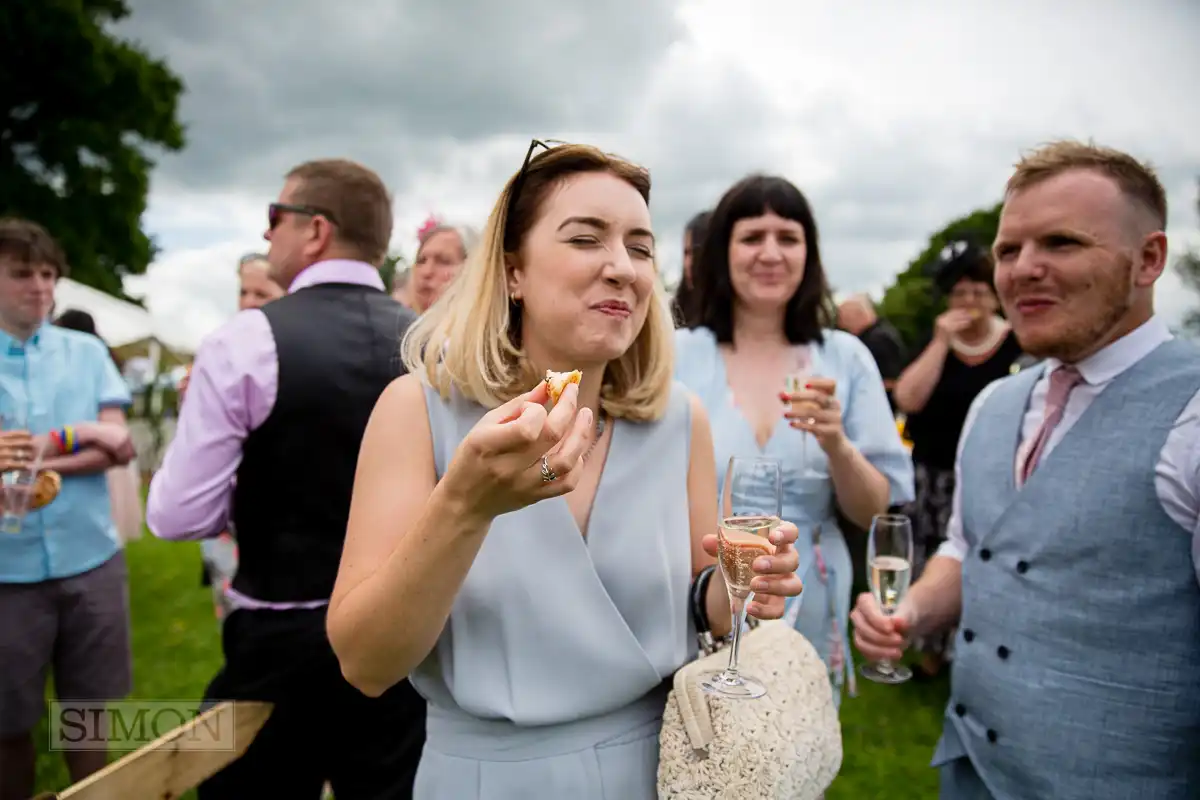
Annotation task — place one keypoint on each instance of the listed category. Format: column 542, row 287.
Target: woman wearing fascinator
column 970, row 346
column 441, row 251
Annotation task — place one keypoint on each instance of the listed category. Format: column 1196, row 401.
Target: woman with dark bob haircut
column 764, row 323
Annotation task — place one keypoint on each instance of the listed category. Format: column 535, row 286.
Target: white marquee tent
column 118, row 322
column 130, row 330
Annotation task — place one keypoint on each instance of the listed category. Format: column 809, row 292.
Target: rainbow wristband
column 65, row 440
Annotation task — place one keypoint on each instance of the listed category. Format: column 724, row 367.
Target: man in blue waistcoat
column 1072, row 565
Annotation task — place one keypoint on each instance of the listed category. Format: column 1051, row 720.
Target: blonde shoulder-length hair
column 469, row 341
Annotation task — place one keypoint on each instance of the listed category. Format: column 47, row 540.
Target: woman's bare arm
column 916, row 383
column 862, row 491
column 409, row 546
column 702, row 515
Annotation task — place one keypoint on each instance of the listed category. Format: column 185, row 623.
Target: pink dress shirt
column 231, row 392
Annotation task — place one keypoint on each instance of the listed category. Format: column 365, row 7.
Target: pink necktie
column 1062, row 381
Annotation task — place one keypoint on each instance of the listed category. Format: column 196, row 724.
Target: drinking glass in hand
column 751, row 501
column 795, row 382
column 889, row 571
column 16, row 483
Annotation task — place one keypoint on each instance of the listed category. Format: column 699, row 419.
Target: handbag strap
column 698, row 607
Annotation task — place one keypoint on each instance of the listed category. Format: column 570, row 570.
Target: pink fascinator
column 427, row 226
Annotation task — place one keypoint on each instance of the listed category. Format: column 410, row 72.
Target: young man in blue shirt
column 64, row 604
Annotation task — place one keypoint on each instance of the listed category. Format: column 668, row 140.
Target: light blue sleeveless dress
column 869, row 424
column 547, row 682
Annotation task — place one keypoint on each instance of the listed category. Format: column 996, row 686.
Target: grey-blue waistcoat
column 1077, row 661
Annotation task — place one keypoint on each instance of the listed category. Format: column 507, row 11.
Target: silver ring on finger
column 548, row 474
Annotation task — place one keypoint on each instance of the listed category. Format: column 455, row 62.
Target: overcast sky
column 893, row 117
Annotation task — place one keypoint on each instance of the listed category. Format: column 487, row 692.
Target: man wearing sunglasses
column 268, row 440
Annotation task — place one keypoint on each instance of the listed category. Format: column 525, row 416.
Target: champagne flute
column 889, row 571
column 751, row 501
column 795, row 382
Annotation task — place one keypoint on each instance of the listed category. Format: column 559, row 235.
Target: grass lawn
column 176, row 644
column 889, row 731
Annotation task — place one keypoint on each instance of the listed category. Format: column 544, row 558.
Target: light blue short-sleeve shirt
column 60, row 377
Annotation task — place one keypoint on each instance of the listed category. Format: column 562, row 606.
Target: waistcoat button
column 985, row 554
column 991, row 734
column 1022, row 567
column 1002, row 651
column 969, row 635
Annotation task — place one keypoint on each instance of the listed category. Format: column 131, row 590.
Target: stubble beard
column 1112, row 302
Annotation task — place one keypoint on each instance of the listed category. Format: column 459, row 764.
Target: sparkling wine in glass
column 889, row 572
column 795, row 382
column 751, row 501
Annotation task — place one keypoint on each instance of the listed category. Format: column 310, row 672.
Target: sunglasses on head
column 519, row 183
column 275, row 212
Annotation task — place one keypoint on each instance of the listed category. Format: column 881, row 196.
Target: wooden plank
column 167, row 767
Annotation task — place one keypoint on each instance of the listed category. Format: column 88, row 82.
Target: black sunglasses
column 275, row 211
column 518, row 184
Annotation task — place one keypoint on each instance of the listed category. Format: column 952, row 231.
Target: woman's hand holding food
column 519, row 453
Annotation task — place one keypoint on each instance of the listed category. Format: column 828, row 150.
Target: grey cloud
column 442, row 101
column 875, row 197
column 389, row 83
column 888, row 191
column 697, row 142
column 892, row 191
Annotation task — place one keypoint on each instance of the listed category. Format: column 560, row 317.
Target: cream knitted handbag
column 784, row 746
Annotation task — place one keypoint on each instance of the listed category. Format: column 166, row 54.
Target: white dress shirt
column 1177, row 474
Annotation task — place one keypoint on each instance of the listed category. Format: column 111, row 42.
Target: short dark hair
column 77, row 320
column 810, row 309
column 962, row 259
column 698, row 226
column 31, row 244
column 355, row 197
column 685, row 292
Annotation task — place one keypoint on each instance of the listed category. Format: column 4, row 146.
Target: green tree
column 911, row 302
column 1187, row 266
column 393, row 264
column 80, row 111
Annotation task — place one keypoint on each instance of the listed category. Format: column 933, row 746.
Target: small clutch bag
column 784, row 746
